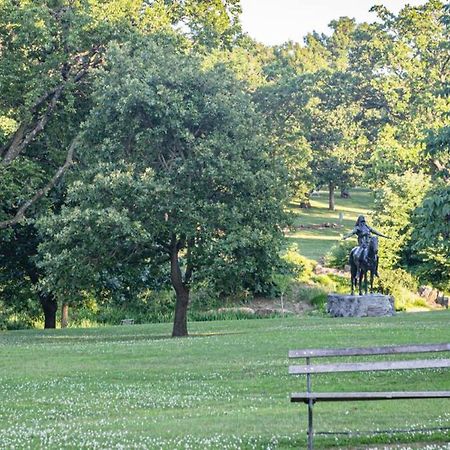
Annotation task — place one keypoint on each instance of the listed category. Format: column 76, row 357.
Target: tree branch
column 19, row 143
column 28, row 131
column 20, row 214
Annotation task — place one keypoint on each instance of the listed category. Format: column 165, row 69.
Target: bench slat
column 354, row 396
column 388, row 350
column 370, row 366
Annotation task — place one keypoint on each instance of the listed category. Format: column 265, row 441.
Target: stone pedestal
column 372, row 305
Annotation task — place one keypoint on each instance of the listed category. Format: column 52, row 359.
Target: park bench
column 127, row 322
column 310, row 397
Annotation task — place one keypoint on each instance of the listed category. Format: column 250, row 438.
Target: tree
column 402, row 64
column 312, row 111
column 178, row 177
column 431, row 238
column 48, row 52
column 431, row 219
column 49, row 49
column 282, row 105
column 395, row 202
column 331, row 130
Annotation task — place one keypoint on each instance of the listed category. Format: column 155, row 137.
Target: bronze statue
column 364, row 257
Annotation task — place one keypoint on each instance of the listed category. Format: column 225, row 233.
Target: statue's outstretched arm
column 346, row 236
column 378, row 233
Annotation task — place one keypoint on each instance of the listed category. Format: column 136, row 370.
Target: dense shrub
column 402, row 286
column 302, row 267
column 338, row 256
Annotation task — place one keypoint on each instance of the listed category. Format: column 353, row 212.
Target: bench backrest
column 369, row 366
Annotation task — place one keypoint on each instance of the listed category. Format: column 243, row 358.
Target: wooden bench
column 309, row 397
column 127, row 322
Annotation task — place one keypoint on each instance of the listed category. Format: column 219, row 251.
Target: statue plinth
column 371, row 305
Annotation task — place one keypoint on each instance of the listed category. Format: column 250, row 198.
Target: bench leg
column 310, row 425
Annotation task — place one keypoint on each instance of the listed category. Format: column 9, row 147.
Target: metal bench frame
column 308, row 369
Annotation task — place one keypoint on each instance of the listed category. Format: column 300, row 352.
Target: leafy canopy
column 172, row 158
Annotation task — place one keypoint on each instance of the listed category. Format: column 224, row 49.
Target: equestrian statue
column 364, row 257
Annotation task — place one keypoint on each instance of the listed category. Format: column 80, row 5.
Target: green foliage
column 332, row 282
column 194, row 138
column 394, row 204
column 302, row 266
column 177, row 171
column 390, row 156
column 400, row 86
column 402, row 286
column 282, row 106
column 331, row 130
column 148, row 307
column 235, row 313
column 431, row 237
column 338, row 256
column 437, row 147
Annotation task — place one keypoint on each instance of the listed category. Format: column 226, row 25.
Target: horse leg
column 360, row 277
column 353, row 273
column 365, row 283
column 371, row 281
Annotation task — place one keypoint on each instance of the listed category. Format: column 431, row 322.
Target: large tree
column 332, row 131
column 49, row 50
column 178, row 172
column 311, row 106
column 431, row 238
column 401, row 63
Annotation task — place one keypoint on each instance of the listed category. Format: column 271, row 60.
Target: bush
column 332, row 283
column 149, row 307
column 314, row 295
column 338, row 256
column 395, row 202
column 302, row 267
column 19, row 322
column 402, row 286
column 229, row 314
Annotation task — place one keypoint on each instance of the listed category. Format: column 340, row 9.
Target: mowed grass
column 226, row 386
column 315, row 243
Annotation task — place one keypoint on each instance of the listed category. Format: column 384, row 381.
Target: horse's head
column 373, row 245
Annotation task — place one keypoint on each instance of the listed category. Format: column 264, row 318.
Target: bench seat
column 309, row 370
column 305, row 397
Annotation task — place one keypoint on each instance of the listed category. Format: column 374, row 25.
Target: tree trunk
column 64, row 315
column 182, row 293
column 50, row 306
column 331, row 205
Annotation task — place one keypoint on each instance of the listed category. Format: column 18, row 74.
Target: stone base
column 372, row 305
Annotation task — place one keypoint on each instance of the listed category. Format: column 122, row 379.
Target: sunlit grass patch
column 314, row 243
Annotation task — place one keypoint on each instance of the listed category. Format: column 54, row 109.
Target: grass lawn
column 314, row 243
column 224, row 387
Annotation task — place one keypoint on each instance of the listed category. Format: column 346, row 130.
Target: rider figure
column 363, row 231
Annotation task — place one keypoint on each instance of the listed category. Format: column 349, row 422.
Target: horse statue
column 364, row 259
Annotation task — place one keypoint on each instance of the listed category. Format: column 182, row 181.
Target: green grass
column 226, row 386
column 314, row 243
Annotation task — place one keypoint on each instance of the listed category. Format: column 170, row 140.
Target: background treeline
column 152, row 147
